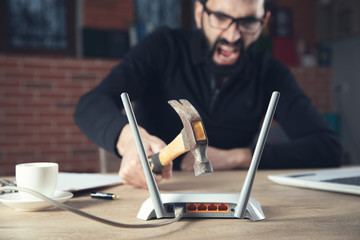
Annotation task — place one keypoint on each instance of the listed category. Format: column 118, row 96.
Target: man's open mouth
column 226, row 54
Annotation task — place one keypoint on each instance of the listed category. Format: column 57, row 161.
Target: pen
column 101, row 195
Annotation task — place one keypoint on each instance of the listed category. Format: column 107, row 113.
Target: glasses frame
column 236, row 20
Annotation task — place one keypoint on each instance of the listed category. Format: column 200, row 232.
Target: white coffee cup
column 38, row 176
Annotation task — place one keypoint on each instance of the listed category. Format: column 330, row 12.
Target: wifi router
column 202, row 205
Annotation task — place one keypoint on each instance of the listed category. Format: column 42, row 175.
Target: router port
column 169, row 208
column 202, row 207
column 207, row 207
column 190, row 207
column 212, row 207
column 223, row 207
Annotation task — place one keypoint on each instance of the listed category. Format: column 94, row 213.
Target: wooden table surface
column 291, row 213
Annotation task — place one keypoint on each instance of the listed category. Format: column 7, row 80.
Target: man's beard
column 225, row 71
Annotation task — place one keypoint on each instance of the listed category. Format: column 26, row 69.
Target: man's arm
column 312, row 143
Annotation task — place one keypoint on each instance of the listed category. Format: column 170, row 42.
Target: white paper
column 73, row 182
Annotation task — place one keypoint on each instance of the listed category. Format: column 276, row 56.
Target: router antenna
column 246, row 189
column 150, row 180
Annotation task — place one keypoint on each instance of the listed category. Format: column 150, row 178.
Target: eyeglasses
column 247, row 25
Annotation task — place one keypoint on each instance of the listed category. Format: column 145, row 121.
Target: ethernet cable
column 179, row 211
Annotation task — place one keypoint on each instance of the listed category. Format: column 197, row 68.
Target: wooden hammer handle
column 167, row 154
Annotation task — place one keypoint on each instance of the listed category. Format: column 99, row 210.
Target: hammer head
column 194, row 135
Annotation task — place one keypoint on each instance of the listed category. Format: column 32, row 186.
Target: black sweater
column 170, row 64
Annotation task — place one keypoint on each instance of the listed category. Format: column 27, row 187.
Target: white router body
column 229, row 200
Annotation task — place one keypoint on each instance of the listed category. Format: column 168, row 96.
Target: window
column 38, row 26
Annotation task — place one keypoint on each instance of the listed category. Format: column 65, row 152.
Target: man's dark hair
column 266, row 4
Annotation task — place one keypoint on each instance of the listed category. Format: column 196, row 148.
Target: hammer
column 191, row 138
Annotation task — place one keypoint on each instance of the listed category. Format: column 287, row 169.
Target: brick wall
column 37, row 100
column 108, row 14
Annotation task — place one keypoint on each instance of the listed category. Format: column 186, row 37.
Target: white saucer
column 14, row 200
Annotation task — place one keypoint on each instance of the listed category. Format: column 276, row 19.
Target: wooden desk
column 291, row 213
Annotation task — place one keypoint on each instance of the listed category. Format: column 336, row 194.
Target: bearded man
column 216, row 68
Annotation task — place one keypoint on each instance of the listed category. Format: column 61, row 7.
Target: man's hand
column 221, row 159
column 131, row 171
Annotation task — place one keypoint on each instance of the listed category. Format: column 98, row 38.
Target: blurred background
column 53, row 51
